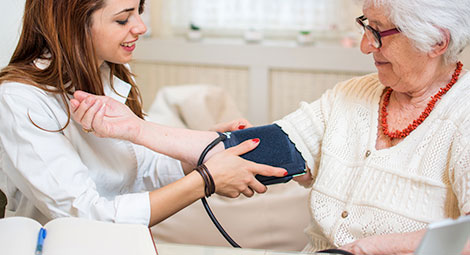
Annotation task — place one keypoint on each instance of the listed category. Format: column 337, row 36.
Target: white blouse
column 48, row 174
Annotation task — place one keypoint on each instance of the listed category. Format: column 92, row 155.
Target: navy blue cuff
column 275, row 149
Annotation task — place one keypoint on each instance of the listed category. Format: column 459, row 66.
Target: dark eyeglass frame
column 377, row 35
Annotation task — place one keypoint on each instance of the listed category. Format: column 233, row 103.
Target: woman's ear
column 440, row 48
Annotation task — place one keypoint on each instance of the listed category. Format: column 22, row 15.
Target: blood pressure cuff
column 275, row 149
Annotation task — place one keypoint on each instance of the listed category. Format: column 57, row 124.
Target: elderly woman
column 389, row 153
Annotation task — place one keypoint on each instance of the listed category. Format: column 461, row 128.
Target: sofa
column 274, row 220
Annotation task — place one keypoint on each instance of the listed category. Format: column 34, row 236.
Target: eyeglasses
column 374, row 36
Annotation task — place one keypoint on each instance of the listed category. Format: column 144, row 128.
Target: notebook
column 74, row 236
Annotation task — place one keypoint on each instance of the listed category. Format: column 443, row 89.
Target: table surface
column 183, row 249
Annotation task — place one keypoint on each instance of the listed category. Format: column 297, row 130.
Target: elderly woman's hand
column 233, row 125
column 305, row 179
column 104, row 116
column 400, row 243
column 466, row 249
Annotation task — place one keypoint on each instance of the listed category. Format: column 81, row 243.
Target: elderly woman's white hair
column 423, row 22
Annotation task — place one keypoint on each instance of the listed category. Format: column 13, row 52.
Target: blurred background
column 268, row 55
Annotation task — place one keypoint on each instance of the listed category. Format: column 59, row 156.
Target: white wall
column 11, row 14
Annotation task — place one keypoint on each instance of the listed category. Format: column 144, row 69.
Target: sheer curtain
column 272, row 17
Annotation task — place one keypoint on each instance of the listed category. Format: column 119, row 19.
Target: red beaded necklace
column 405, row 132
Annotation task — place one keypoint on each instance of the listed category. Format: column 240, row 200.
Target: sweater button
column 344, row 214
column 368, row 153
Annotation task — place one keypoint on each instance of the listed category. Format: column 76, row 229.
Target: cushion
column 274, row 220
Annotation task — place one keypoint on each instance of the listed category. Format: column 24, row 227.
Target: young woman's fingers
column 266, row 170
column 233, row 125
column 257, row 186
column 238, row 125
column 243, row 123
column 248, row 192
column 255, row 168
column 244, row 147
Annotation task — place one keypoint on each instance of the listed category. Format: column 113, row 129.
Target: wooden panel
column 153, row 76
column 289, row 87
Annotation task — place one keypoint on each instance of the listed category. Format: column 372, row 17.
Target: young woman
column 388, row 153
column 52, row 167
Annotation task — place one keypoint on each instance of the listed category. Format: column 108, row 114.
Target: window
column 274, row 18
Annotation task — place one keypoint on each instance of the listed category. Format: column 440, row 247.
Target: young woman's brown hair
column 60, row 31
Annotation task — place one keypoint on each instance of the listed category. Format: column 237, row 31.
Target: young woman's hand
column 233, row 125
column 104, row 116
column 234, row 175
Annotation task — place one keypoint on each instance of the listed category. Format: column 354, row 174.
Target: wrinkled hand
column 466, row 249
column 396, row 244
column 305, row 179
column 104, row 116
column 231, row 125
column 234, row 175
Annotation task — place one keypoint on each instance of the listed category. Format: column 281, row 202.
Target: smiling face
column 399, row 64
column 115, row 29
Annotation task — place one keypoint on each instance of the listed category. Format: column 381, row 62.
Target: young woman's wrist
column 196, row 179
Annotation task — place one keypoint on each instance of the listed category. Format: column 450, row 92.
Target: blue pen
column 41, row 236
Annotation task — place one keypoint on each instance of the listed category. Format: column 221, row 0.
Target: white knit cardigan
column 359, row 191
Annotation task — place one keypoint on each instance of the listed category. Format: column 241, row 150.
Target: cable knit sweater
column 359, row 191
